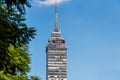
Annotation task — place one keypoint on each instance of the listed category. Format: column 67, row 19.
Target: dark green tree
column 19, row 4
column 15, row 36
column 13, row 31
column 34, row 78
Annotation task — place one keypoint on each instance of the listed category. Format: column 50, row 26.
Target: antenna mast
column 56, row 17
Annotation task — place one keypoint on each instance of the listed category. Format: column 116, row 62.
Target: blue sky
column 91, row 29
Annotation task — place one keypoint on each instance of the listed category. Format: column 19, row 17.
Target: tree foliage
column 18, row 60
column 15, row 36
column 17, row 77
column 19, row 4
column 34, row 78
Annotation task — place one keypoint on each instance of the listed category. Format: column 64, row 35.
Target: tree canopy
column 19, row 4
column 15, row 36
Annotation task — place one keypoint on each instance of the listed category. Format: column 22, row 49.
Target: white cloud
column 48, row 2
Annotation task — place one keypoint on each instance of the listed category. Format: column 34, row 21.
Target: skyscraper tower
column 56, row 54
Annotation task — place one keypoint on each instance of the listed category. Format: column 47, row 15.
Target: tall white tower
column 56, row 54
